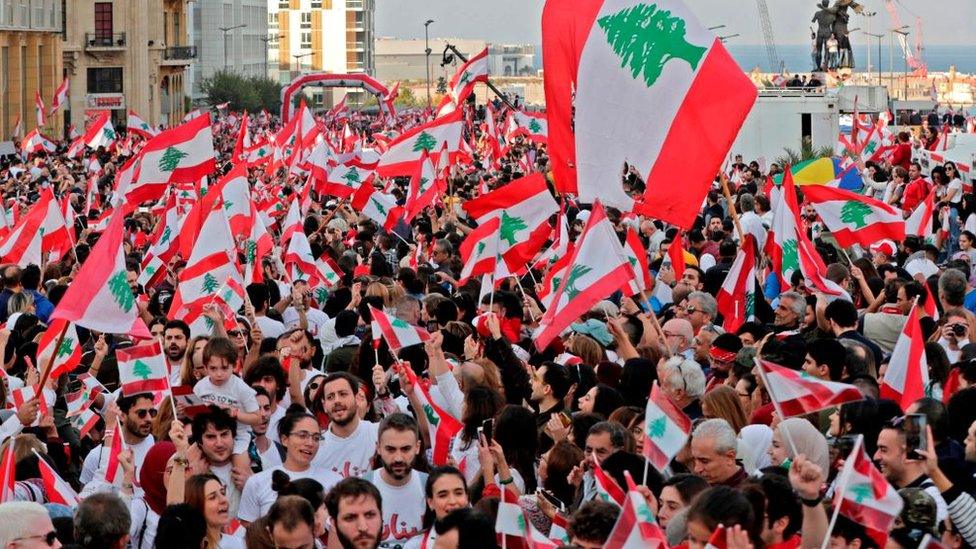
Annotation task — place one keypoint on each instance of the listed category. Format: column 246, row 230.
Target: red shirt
column 902, row 155
column 915, row 193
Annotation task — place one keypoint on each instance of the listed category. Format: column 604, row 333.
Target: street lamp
column 905, row 34
column 225, row 31
column 298, row 59
column 716, row 27
column 726, row 37
column 427, row 56
column 265, row 39
column 891, row 62
column 879, row 37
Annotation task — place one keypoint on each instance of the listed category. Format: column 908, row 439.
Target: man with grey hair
column 790, row 312
column 713, row 452
column 700, row 309
column 408, row 310
column 102, row 521
column 751, row 223
column 603, row 439
column 952, row 289
column 683, row 382
column 27, row 524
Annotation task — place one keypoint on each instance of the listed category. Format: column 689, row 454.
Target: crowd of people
column 290, row 425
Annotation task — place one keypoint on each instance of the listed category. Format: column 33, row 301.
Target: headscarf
column 808, row 440
column 754, row 441
column 151, row 475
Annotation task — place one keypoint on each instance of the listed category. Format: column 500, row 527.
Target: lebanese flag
column 35, row 142
column 635, row 527
column 423, row 188
column 607, row 489
column 84, row 422
column 76, row 148
column 113, row 468
column 397, row 333
column 39, row 107
column 406, row 150
column 99, row 298
column 479, row 251
column 304, row 266
column 183, row 154
column 533, row 126
column 637, row 256
column 78, row 402
column 349, row 138
column 8, row 473
column 673, row 84
column 343, row 180
column 142, row 369
column 524, row 207
column 378, row 206
column 908, row 372
column 513, row 527
column 67, row 355
column 474, row 70
column 799, row 393
column 737, row 296
column 57, row 490
column 260, row 153
column 864, row 495
column 598, row 268
column 258, row 244
column 100, row 132
column 676, row 255
column 42, row 230
column 853, row 218
column 212, row 199
column 920, row 222
column 243, row 139
column 666, row 429
column 443, row 427
column 339, row 108
column 136, row 125
column 60, row 96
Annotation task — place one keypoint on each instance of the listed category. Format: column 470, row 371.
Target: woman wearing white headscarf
column 808, row 440
column 754, row 442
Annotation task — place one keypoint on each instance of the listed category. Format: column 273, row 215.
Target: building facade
column 30, row 60
column 127, row 54
column 511, row 60
column 334, row 36
column 229, row 35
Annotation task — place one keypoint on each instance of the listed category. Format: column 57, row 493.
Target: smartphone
column 547, row 495
column 916, row 437
column 566, row 419
column 487, row 426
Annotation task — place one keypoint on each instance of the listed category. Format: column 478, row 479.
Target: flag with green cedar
column 406, row 150
column 666, row 429
column 66, row 355
column 378, row 206
column 863, row 493
column 142, row 369
column 398, row 333
column 854, row 218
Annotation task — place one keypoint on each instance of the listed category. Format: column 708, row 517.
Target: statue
column 824, row 18
column 833, row 20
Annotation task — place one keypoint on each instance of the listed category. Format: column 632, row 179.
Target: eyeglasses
column 151, row 412
column 692, row 310
column 235, row 333
column 49, row 538
column 305, row 435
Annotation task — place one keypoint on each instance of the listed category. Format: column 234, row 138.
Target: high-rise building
column 127, row 54
column 230, row 35
column 334, row 36
column 30, row 60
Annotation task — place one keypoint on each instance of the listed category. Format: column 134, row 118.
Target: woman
column 193, row 368
column 938, row 362
column 930, row 138
column 744, row 389
column 445, row 490
column 723, row 402
column 553, row 472
column 587, row 349
column 726, row 506
column 516, row 433
column 17, row 304
column 808, row 440
column 967, row 245
column 208, row 495
column 601, row 399
column 899, row 180
column 480, row 404
column 954, row 188
column 865, row 417
column 307, row 488
column 677, row 494
column 146, row 510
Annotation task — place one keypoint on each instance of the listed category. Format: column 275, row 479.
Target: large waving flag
column 142, row 369
column 666, row 429
column 442, row 425
column 853, row 218
column 56, row 489
column 397, row 332
column 598, row 268
column 423, row 188
column 60, row 96
column 673, row 84
column 737, row 296
column 797, row 393
column 462, row 83
column 864, row 495
column 406, row 150
column 100, row 132
column 908, row 372
column 479, row 251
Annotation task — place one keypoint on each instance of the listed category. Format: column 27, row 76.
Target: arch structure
column 328, row 80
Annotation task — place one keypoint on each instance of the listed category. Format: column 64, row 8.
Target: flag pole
column 525, row 296
column 647, row 465
column 840, row 491
column 50, row 361
column 779, row 410
column 728, row 197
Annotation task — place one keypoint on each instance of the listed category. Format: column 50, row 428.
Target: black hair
column 294, row 414
column 435, row 475
column 607, row 400
column 556, row 376
column 307, row 488
column 181, row 526
column 216, row 416
column 831, row 353
column 351, row 379
column 127, row 402
column 476, row 530
column 593, row 521
column 687, row 485
column 728, row 506
column 345, row 323
column 351, row 487
column 179, row 325
column 782, row 501
column 268, row 366
column 842, row 312
column 398, row 422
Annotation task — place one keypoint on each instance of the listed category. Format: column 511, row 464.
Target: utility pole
column 879, row 37
column 225, row 30
column 265, row 39
column 905, row 34
column 427, row 55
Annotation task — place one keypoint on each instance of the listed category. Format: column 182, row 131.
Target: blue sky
column 518, row 21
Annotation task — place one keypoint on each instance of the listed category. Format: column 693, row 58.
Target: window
column 306, row 20
column 306, row 40
column 316, row 4
column 103, row 20
column 105, row 80
column 273, row 39
column 283, row 4
column 273, row 18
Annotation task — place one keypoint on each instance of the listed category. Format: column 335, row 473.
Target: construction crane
column 775, row 65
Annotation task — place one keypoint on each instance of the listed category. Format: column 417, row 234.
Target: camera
column 959, row 330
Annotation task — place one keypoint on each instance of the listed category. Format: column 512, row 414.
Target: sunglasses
column 151, row 412
column 235, row 333
column 49, row 538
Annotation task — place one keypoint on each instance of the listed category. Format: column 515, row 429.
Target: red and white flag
column 423, row 188
column 56, row 489
column 854, row 218
column 35, row 142
column 142, row 369
column 797, row 393
column 637, row 256
column 737, row 296
column 442, row 425
column 60, row 96
column 718, row 540
column 513, row 527
column 343, row 180
column 598, row 268
column 39, row 107
column 666, row 429
column 674, row 84
column 67, row 356
column 397, row 332
column 479, row 250
column 462, row 83
column 8, row 475
column 635, row 527
column 533, row 126
column 113, row 467
column 84, row 422
column 100, row 132
column 136, row 125
column 864, row 495
column 378, row 206
column 907, row 375
column 406, row 150
column 919, row 223
column 607, row 489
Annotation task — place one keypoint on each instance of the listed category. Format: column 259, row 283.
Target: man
column 721, row 357
column 297, row 312
column 841, row 316
column 355, row 508
column 465, row 528
column 700, row 309
column 916, row 190
column 440, row 257
column 265, row 453
column 291, row 523
column 349, row 442
column 603, row 439
column 550, row 383
column 31, row 280
column 715, row 276
column 176, row 334
column 591, row 524
column 408, row 309
column 750, row 221
column 137, row 413
column 258, row 294
column 683, row 382
column 902, row 470
column 783, row 516
column 654, row 233
column 268, row 374
column 825, row 359
column 339, row 355
column 789, row 313
column 678, row 335
column 713, row 452
column 11, row 286
column 212, row 449
column 884, row 326
column 692, row 278
column 102, row 522
column 398, row 483
column 27, row 524
column 703, row 341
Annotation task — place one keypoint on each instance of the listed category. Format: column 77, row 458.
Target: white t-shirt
column 258, row 495
column 351, row 456
column 224, row 473
column 270, row 457
column 316, row 320
column 956, row 184
column 403, row 508
column 142, row 530
column 269, row 326
column 90, row 466
column 230, row 542
column 234, row 393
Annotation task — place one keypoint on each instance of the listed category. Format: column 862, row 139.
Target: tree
column 574, row 274
column 210, row 283
column 406, row 98
column 171, row 159
column 121, row 293
column 791, row 258
column 252, row 93
column 657, row 427
column 534, row 126
column 425, row 141
column 645, row 38
column 510, row 226
column 853, row 213
column 67, row 347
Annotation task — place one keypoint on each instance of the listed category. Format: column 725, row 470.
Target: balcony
column 105, row 42
column 354, row 5
column 179, row 55
column 355, row 46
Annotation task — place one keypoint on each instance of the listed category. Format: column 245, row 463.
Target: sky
column 518, row 21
